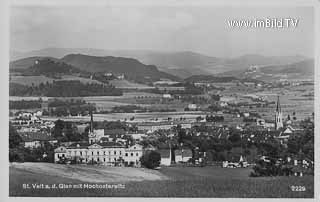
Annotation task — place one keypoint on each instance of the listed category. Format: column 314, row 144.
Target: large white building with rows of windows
column 105, row 153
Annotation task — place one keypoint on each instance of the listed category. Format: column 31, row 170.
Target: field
column 138, row 117
column 129, row 85
column 36, row 80
column 167, row 182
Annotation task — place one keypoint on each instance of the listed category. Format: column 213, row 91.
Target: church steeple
column 278, row 116
column 91, row 122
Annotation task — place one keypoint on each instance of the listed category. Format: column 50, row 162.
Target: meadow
column 174, row 182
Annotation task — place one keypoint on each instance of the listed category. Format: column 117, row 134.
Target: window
column 104, row 159
column 131, row 154
column 126, row 154
column 97, row 152
column 62, row 155
column 92, row 153
column 81, row 153
column 104, row 153
column 115, row 152
column 120, row 152
column 137, row 154
column 98, row 159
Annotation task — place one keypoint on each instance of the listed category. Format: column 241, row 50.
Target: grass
column 183, row 182
column 36, row 80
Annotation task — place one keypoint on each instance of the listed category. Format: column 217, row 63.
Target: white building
column 192, row 107
column 166, row 157
column 138, row 136
column 168, row 96
column 105, row 153
column 96, row 135
column 182, row 155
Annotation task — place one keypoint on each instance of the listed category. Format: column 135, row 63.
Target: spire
column 278, row 105
column 91, row 122
column 278, row 116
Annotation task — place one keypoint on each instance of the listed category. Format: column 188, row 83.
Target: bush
column 150, row 159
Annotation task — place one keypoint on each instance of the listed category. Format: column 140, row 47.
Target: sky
column 202, row 29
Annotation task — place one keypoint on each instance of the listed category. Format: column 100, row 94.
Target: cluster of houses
column 113, row 148
column 27, row 118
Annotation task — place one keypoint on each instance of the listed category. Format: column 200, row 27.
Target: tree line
column 64, row 88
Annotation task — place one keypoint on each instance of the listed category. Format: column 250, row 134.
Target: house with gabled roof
column 166, row 157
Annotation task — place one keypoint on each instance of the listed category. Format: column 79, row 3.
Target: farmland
column 167, row 182
column 36, row 80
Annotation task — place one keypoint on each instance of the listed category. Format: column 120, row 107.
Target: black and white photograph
column 161, row 99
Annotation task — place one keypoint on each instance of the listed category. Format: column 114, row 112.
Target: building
column 166, row 125
column 36, row 139
column 182, row 155
column 166, row 157
column 192, row 107
column 137, row 136
column 104, row 153
column 166, row 96
column 278, row 116
column 285, row 134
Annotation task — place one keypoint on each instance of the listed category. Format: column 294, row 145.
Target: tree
column 58, row 127
column 14, row 137
column 151, row 159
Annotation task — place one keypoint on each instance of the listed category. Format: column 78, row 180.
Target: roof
column 103, row 139
column 186, row 152
column 114, row 131
column 164, row 153
column 83, row 145
column 110, row 144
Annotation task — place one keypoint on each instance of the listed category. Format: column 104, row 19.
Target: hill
column 131, row 68
column 298, row 70
column 181, row 64
column 25, row 63
column 50, row 67
column 305, row 67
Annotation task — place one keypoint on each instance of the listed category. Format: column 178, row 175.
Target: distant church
column 278, row 116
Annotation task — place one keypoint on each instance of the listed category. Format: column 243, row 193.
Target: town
column 215, row 129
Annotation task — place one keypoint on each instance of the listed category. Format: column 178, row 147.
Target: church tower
column 91, row 135
column 91, row 122
column 278, row 116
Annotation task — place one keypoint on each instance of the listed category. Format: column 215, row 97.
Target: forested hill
column 132, row 68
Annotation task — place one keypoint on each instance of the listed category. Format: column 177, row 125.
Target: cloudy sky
column 202, row 29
